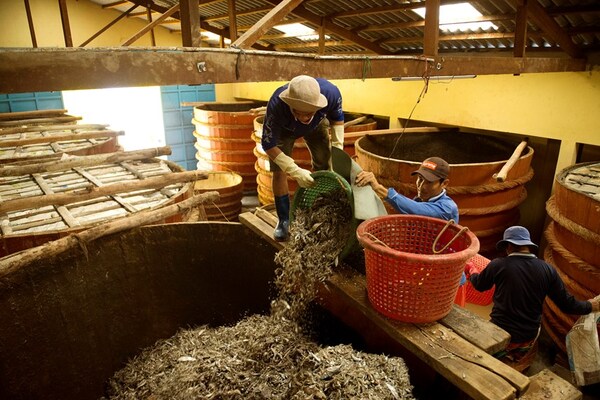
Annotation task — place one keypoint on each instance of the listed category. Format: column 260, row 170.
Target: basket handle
column 451, row 221
column 376, row 240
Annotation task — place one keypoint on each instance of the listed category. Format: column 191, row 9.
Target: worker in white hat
column 522, row 283
column 305, row 108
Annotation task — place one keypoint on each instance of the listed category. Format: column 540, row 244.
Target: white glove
column 337, row 136
column 287, row 164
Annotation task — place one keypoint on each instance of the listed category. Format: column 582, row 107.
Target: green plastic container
column 325, row 182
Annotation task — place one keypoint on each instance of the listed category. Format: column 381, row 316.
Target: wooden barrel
column 115, row 295
column 230, row 187
column 486, row 206
column 29, row 227
column 224, row 142
column 573, row 238
column 368, row 124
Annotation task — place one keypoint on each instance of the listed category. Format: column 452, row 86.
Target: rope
column 421, row 95
column 566, row 254
column 571, row 226
column 479, row 189
column 495, row 209
column 376, row 240
column 450, row 222
column 366, row 68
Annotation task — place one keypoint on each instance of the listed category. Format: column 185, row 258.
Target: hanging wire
column 426, row 77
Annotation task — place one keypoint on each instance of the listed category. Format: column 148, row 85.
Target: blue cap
column 517, row 235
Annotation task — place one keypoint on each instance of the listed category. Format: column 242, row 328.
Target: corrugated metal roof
column 392, row 25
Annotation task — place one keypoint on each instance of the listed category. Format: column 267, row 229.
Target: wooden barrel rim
column 573, row 259
column 586, row 234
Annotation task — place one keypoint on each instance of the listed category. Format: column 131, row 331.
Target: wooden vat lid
column 24, row 143
column 79, row 197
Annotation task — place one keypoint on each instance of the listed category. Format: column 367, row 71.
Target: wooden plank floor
column 457, row 347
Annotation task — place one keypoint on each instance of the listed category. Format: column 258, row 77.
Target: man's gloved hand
column 287, row 165
column 337, row 136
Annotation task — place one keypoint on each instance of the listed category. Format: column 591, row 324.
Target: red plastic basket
column 478, row 264
column 406, row 280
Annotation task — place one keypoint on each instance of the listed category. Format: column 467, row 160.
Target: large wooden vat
column 70, row 321
column 573, row 241
column 224, row 142
column 487, row 207
column 23, row 228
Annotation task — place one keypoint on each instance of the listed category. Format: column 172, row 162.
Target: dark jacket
column 522, row 283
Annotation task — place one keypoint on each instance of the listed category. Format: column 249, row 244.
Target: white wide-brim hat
column 304, row 94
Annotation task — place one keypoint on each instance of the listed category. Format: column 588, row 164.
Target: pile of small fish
column 271, row 357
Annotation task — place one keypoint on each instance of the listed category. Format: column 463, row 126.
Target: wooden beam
column 520, row 31
column 149, row 17
column 432, row 28
column 546, row 23
column 250, row 11
column 114, row 21
column 190, row 23
column 31, row 70
column 268, row 21
column 64, row 17
column 30, row 23
column 151, row 25
column 232, row 20
column 328, row 24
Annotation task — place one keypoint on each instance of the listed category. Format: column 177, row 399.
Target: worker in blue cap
column 522, row 283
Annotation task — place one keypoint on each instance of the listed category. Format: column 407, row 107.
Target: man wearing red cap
column 431, row 199
column 304, row 108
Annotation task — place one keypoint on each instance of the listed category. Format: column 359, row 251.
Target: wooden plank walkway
column 458, row 347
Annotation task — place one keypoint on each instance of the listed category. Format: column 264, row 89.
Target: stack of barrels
column 224, row 142
column 573, row 237
column 300, row 154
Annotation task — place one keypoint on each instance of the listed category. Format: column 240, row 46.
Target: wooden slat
column 260, row 227
column 80, row 161
column 5, row 225
column 472, row 370
column 99, row 183
column 268, row 21
column 39, row 121
column 482, row 333
column 547, row 385
column 66, row 198
column 62, row 211
column 60, row 138
column 51, row 128
column 151, row 25
column 19, row 115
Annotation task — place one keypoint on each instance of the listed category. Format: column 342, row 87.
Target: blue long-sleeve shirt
column 279, row 119
column 522, row 283
column 440, row 206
